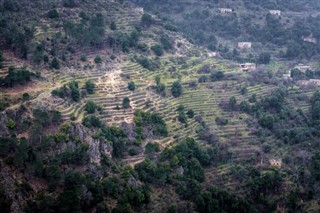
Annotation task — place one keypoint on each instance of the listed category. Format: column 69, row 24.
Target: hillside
column 143, row 106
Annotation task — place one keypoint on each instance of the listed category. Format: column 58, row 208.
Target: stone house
column 311, row 82
column 225, row 10
column 310, row 39
column 212, row 54
column 139, row 10
column 287, row 76
column 248, row 67
column 244, row 45
column 302, row 67
column 275, row 12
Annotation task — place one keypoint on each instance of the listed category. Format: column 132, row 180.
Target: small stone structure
column 212, row 54
column 225, row 10
column 287, row 76
column 311, row 82
column 139, row 10
column 302, row 67
column 244, row 45
column 275, row 12
column 248, row 66
column 275, row 163
column 310, row 39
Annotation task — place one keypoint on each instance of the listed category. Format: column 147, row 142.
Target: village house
column 302, row 67
column 287, row 76
column 212, row 54
column 244, row 45
column 248, row 66
column 276, row 163
column 311, row 82
column 275, row 12
column 310, row 39
column 139, row 10
column 225, row 10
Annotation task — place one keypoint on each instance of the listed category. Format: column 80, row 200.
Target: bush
column 83, row 58
column 176, row 89
column 91, row 121
column 11, row 124
column 113, row 25
column 17, row 76
column 157, row 49
column 90, row 107
column 90, row 87
column 131, row 86
column 190, row 113
column 98, row 59
column 55, row 64
column 217, row 75
column 264, row 58
column 133, row 151
column 25, row 96
column 1, row 60
column 126, row 103
column 152, row 148
column 146, row 20
column 53, row 14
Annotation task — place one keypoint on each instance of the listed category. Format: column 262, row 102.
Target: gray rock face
column 4, row 131
column 10, row 190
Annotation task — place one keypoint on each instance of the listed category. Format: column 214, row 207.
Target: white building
column 275, row 12
column 248, row 67
column 244, row 45
column 302, row 67
column 225, row 10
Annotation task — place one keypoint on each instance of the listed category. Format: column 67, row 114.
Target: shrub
column 126, row 103
column 113, row 25
column 152, row 148
column 91, row 121
column 176, row 89
column 131, row 86
column 17, row 76
column 55, row 64
column 98, row 59
column 146, row 20
column 83, row 58
column 53, row 14
column 11, row 124
column 25, row 96
column 190, row 113
column 90, row 107
column 157, row 49
column 90, row 87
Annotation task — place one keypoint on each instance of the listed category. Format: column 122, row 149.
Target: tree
column 55, row 64
column 90, row 86
column 131, row 86
column 75, row 93
column 146, row 20
column 176, row 89
column 232, row 102
column 267, row 121
column 53, row 14
column 217, row 75
column 113, row 25
column 90, row 107
column 98, row 59
column 264, row 58
column 126, row 103
column 25, row 96
column 157, row 49
column 190, row 113
column 1, row 60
